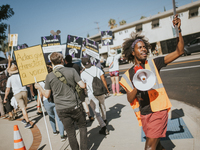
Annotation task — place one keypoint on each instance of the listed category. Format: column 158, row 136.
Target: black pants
column 7, row 105
column 68, row 118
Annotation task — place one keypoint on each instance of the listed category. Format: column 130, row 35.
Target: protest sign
column 50, row 49
column 106, row 38
column 50, row 40
column 13, row 40
column 73, row 46
column 31, row 63
column 90, row 49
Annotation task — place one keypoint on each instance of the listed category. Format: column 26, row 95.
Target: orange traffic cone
column 18, row 141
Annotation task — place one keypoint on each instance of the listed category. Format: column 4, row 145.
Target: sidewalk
column 125, row 134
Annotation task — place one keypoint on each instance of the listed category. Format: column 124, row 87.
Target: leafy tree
column 88, row 35
column 122, row 22
column 5, row 13
column 112, row 23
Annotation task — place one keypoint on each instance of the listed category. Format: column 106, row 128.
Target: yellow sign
column 31, row 63
column 13, row 39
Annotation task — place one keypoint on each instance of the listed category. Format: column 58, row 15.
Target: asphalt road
column 181, row 81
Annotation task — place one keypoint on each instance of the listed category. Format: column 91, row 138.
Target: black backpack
column 97, row 85
column 3, row 81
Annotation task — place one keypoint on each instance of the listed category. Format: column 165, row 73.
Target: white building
column 158, row 29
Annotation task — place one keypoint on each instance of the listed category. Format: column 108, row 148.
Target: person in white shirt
column 19, row 92
column 86, row 77
column 113, row 63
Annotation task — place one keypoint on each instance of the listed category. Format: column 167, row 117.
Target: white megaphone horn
column 144, row 79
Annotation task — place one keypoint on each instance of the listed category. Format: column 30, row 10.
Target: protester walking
column 19, row 92
column 151, row 107
column 68, row 106
column 95, row 101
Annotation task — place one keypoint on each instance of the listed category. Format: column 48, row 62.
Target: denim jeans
column 68, row 118
column 51, row 110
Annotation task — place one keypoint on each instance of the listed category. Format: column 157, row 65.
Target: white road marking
column 189, row 67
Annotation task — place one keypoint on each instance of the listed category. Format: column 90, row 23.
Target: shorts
column 155, row 124
column 114, row 73
column 21, row 99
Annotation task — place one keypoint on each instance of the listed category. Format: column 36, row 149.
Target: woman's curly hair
column 127, row 45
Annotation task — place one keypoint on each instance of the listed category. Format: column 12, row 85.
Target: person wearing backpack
column 93, row 76
column 68, row 106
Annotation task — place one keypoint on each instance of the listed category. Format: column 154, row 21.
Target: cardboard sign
column 90, row 48
column 73, row 46
column 31, row 63
column 13, row 39
column 106, row 38
column 50, row 40
column 50, row 49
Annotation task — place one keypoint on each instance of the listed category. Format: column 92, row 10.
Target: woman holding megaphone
column 151, row 106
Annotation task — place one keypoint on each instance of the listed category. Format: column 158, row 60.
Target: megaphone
column 144, row 79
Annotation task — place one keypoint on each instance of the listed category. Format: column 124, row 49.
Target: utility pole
column 97, row 26
column 8, row 37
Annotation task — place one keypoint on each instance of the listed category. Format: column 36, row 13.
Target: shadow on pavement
column 114, row 112
column 42, row 147
column 95, row 139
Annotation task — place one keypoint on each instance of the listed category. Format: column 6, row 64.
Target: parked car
column 122, row 61
column 192, row 47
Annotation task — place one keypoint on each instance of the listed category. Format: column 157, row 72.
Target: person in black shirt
column 154, row 103
column 79, row 69
column 68, row 63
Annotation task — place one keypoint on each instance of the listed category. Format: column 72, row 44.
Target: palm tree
column 112, row 23
column 122, row 22
column 142, row 17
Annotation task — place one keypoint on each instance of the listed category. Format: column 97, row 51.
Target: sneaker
column 11, row 119
column 39, row 113
column 24, row 121
column 56, row 133
column 28, row 125
column 91, row 118
column 4, row 116
column 119, row 94
column 63, row 138
column 104, row 131
column 114, row 94
column 16, row 116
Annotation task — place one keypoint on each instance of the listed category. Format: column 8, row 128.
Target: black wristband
column 179, row 30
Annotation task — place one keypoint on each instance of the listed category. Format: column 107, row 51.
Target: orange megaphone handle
column 137, row 67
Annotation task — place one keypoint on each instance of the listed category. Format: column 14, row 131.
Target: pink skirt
column 155, row 124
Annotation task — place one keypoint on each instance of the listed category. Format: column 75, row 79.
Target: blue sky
column 36, row 18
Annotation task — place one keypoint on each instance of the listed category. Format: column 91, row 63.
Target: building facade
column 158, row 29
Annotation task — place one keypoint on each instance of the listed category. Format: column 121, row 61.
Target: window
column 138, row 28
column 120, row 32
column 155, row 23
column 193, row 12
column 126, row 31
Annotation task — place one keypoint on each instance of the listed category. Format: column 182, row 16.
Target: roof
column 149, row 19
